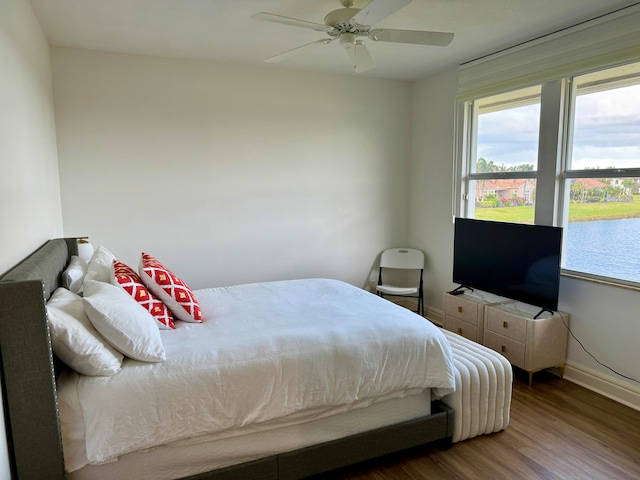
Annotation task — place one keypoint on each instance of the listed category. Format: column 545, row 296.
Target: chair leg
column 421, row 294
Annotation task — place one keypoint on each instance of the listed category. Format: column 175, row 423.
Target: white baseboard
column 434, row 315
column 606, row 385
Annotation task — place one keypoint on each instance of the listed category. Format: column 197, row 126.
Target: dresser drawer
column 462, row 309
column 512, row 350
column 506, row 324
column 465, row 329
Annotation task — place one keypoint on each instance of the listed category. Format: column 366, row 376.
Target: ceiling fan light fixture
column 348, row 38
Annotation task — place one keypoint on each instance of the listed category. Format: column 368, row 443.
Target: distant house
column 587, row 190
column 628, row 188
column 590, row 183
column 507, row 189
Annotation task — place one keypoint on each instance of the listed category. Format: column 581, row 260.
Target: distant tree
column 630, row 185
column 524, row 167
column 484, row 166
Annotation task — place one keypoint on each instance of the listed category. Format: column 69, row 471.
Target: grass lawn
column 578, row 212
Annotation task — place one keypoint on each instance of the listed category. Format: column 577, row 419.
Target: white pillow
column 73, row 275
column 123, row 322
column 99, row 267
column 75, row 341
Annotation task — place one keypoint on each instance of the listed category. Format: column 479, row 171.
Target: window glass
column 601, row 235
column 602, row 246
column 505, row 200
column 507, row 132
column 606, row 120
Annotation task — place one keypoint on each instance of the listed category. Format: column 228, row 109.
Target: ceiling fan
column 349, row 23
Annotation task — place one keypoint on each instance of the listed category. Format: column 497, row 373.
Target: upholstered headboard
column 26, row 362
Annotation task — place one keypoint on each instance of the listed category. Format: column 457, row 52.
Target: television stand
column 528, row 340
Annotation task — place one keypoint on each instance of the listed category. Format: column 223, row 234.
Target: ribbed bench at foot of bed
column 482, row 400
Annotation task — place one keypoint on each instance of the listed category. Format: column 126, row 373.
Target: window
column 565, row 152
column 504, row 156
column 602, row 174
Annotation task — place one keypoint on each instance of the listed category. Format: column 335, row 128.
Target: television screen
column 513, row 260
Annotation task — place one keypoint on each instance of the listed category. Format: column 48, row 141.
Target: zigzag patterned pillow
column 127, row 278
column 170, row 289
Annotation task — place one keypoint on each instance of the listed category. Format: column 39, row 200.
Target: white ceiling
column 222, row 30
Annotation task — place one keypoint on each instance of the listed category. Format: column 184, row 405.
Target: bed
column 374, row 417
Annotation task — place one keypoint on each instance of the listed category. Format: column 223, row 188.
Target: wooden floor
column 558, row 430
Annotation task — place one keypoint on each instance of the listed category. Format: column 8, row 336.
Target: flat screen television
column 513, row 260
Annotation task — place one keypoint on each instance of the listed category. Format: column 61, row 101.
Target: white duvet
column 265, row 352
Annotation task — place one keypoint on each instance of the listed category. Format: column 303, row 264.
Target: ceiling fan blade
column 297, row 50
column 378, row 10
column 438, row 39
column 359, row 55
column 295, row 22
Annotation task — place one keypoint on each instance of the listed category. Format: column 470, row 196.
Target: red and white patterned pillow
column 127, row 278
column 170, row 289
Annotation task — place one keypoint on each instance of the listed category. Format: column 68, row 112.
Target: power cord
column 592, row 356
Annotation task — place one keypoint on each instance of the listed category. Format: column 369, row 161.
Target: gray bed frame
column 28, row 373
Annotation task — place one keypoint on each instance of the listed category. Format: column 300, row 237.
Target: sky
column 606, row 132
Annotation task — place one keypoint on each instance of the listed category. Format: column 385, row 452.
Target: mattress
column 482, row 399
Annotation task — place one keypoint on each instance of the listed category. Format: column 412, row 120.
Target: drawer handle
column 505, row 324
column 503, row 349
column 459, row 330
column 459, row 309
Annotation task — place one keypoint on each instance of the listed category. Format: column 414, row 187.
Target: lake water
column 610, row 248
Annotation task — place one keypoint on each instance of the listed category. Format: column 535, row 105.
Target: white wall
column 232, row 174
column 430, row 219
column 29, row 191
column 604, row 318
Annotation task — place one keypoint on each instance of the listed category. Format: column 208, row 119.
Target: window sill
column 589, row 277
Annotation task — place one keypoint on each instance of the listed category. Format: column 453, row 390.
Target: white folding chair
column 402, row 259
